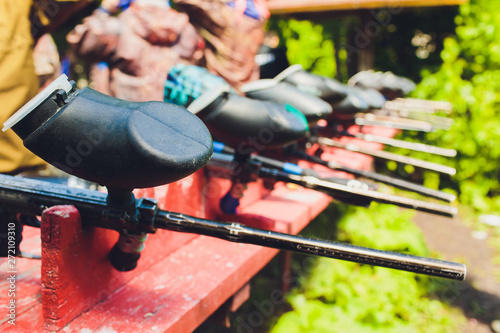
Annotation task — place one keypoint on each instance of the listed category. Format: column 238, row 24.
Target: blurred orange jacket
column 18, row 81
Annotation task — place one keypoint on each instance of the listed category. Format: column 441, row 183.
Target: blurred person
column 99, row 78
column 233, row 32
column 22, row 23
column 135, row 49
column 46, row 61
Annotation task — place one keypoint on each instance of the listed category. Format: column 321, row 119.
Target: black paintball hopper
column 367, row 79
column 353, row 103
column 373, row 97
column 248, row 124
column 312, row 107
column 358, row 100
column 328, row 89
column 393, row 81
column 389, row 84
column 109, row 141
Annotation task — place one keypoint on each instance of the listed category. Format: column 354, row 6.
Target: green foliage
column 395, row 48
column 470, row 78
column 383, row 227
column 340, row 296
column 313, row 43
column 308, row 44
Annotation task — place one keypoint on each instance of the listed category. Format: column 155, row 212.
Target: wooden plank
column 180, row 292
column 76, row 273
column 292, row 206
column 30, row 320
column 28, row 284
column 308, row 6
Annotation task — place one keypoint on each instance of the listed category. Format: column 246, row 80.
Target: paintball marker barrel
column 236, row 232
column 420, row 105
column 380, row 154
column 370, row 119
column 400, row 183
column 416, row 146
column 437, row 122
column 333, row 188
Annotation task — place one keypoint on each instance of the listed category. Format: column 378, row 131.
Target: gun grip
column 228, row 203
column 127, row 251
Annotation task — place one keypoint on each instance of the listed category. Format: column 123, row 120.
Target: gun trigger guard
column 147, row 209
column 141, row 220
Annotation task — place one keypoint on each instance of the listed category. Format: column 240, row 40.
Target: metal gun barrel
column 239, row 233
column 437, row 122
column 416, row 146
column 389, row 156
column 368, row 119
column 422, row 105
column 331, row 188
column 33, row 196
column 400, row 183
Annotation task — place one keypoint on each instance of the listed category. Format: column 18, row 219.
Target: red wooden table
column 181, row 278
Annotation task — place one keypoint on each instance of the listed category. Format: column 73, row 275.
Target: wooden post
column 366, row 58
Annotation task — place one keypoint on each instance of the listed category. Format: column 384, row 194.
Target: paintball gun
column 224, row 164
column 399, row 183
column 285, row 89
column 207, row 99
column 371, row 92
column 168, row 143
column 32, row 196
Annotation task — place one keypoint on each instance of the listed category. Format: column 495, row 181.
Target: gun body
column 223, row 165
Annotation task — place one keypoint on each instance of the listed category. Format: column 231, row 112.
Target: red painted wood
column 84, row 275
column 28, row 284
column 180, row 292
column 84, row 280
column 239, row 298
column 29, row 319
column 75, row 271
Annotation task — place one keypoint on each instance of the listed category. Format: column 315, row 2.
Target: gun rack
column 181, row 279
